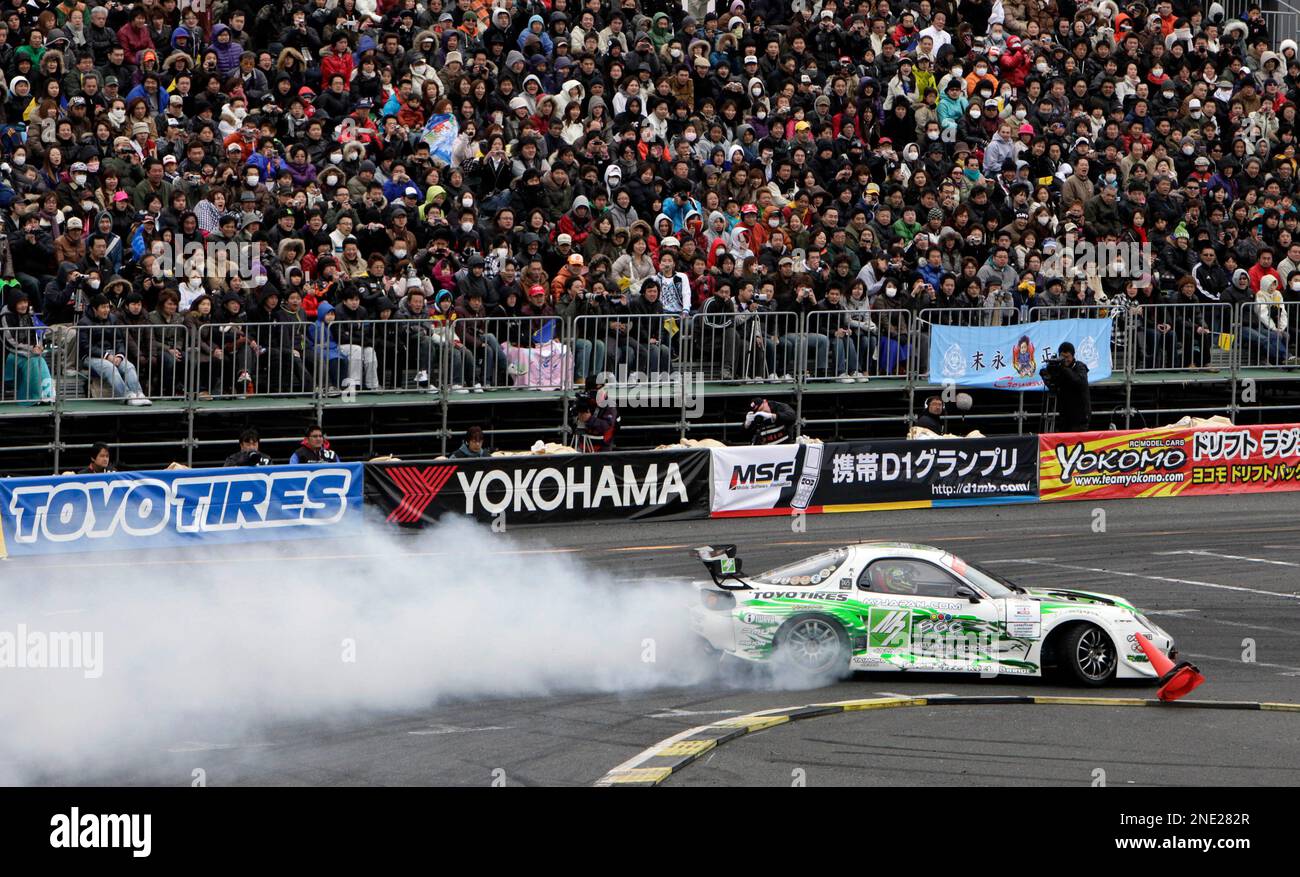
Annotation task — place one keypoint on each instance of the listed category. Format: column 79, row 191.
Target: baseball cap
column 537, row 289
column 751, row 59
column 74, row 222
column 563, row 239
column 748, row 208
column 873, row 188
column 802, row 126
column 670, row 241
column 575, row 258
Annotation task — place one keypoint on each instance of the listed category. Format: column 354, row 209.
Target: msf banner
column 186, row 507
column 1169, row 462
column 1009, row 357
column 872, row 475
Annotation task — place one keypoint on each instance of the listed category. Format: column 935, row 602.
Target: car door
column 921, row 617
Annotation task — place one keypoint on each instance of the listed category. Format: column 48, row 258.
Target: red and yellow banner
column 1169, row 462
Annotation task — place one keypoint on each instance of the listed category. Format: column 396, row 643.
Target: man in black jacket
column 249, row 453
column 1067, row 377
column 770, row 422
column 103, row 340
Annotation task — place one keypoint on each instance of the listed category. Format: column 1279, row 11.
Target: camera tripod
column 1048, row 417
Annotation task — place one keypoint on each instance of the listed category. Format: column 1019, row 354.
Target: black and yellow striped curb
column 656, row 764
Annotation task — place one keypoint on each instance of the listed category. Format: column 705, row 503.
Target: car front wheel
column 1088, row 656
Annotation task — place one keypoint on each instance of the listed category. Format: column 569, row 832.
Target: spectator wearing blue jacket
column 536, row 30
column 321, row 342
column 680, row 206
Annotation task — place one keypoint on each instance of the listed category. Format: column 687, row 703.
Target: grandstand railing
column 227, row 360
column 423, row 362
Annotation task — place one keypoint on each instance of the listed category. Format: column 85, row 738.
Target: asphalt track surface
column 1220, row 574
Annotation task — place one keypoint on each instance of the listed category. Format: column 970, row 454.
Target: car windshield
column 989, row 582
column 809, row 571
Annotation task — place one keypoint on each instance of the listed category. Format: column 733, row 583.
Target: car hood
column 1071, row 595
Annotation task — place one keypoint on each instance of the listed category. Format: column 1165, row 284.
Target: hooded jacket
column 320, row 340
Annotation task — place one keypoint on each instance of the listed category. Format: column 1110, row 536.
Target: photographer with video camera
column 595, row 420
column 770, row 422
column 1066, row 378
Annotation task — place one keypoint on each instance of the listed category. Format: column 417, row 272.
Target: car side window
column 909, row 577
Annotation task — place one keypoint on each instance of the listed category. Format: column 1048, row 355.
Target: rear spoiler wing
column 723, row 565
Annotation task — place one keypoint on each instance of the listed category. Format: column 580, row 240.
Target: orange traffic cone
column 1175, row 682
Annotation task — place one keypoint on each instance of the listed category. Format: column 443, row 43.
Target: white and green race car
column 891, row 606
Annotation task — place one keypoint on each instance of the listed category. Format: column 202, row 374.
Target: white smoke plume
column 226, row 642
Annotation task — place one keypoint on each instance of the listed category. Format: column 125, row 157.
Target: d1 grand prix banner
column 183, row 507
column 1009, row 357
column 870, row 475
column 1169, row 462
column 633, row 486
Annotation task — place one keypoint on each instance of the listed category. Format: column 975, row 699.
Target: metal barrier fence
column 135, row 363
column 303, row 364
column 723, row 346
column 1266, row 336
column 310, row 360
column 1283, row 22
column 1179, row 337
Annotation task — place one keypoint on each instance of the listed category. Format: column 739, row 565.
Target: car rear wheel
column 813, row 645
column 1088, row 656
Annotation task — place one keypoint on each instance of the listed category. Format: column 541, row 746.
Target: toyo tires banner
column 1169, row 462
column 631, row 486
column 871, row 475
column 182, row 507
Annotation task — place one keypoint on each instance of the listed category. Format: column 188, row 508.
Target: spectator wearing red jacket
column 1262, row 268
column 338, row 61
column 1014, row 63
column 134, row 37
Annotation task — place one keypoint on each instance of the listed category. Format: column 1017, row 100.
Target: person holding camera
column 769, row 422
column 595, row 421
column 1067, row 378
column 250, row 451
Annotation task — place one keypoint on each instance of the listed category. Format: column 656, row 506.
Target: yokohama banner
column 1169, row 462
column 630, row 486
column 870, row 475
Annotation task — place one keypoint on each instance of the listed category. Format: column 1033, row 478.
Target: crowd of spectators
column 851, row 162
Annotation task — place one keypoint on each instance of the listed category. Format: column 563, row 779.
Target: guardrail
column 222, row 360
column 185, row 367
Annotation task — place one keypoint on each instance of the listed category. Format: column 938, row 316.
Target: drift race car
column 897, row 606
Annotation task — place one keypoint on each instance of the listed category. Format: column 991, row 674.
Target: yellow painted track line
column 657, row 763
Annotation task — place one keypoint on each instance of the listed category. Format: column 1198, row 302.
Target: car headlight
column 1151, row 625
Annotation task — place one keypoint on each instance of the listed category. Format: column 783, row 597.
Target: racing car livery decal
column 892, row 606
